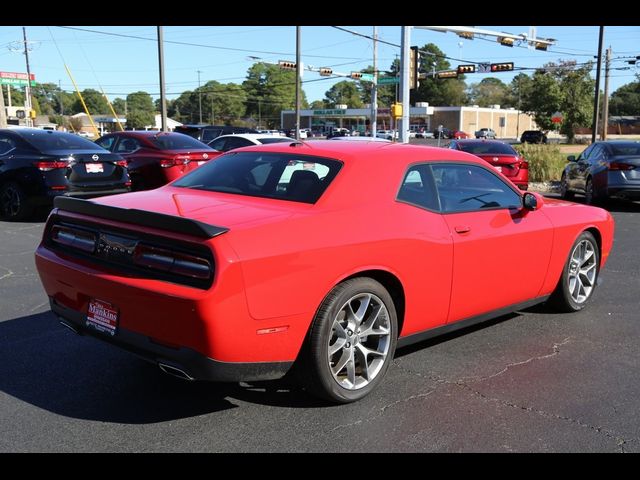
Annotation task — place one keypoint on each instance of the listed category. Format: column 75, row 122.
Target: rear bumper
column 194, row 365
column 630, row 193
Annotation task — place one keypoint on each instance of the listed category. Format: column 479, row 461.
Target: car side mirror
column 532, row 201
column 571, row 158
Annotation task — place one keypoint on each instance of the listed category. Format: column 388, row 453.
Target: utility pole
column 27, row 89
column 596, row 102
column 60, row 98
column 199, row 96
column 605, row 109
column 404, row 85
column 298, row 93
column 374, row 90
column 163, row 101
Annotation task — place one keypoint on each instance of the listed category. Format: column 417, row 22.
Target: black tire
column 565, row 193
column 14, row 205
column 314, row 371
column 590, row 197
column 562, row 298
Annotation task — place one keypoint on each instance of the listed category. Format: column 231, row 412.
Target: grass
column 546, row 162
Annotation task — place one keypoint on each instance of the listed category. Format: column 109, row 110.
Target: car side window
column 106, row 143
column 585, row 155
column 209, row 134
column 236, row 142
column 418, row 189
column 218, row 144
column 127, row 145
column 596, row 154
column 7, row 144
column 463, row 188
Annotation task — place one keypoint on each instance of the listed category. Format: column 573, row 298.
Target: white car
column 224, row 143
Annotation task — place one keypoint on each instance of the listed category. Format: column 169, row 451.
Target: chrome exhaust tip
column 176, row 372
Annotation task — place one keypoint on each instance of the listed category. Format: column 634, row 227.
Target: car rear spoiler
column 139, row 217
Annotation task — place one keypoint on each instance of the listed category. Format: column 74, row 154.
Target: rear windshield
column 629, row 149
column 177, row 141
column 50, row 141
column 480, row 148
column 285, row 176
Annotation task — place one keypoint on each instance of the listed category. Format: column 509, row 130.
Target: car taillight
column 47, row 166
column 121, row 163
column 621, row 166
column 70, row 237
column 524, row 164
column 169, row 261
column 175, row 161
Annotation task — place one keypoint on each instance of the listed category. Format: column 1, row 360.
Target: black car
column 604, row 169
column 443, row 133
column 206, row 133
column 37, row 165
column 533, row 136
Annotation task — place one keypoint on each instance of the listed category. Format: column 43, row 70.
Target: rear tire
column 351, row 342
column 590, row 197
column 579, row 275
column 14, row 205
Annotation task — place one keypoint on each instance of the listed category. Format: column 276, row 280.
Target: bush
column 546, row 162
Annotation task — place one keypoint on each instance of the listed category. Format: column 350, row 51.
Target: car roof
column 248, row 136
column 471, row 141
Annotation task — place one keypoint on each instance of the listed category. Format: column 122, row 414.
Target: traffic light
column 448, row 74
column 466, row 69
column 32, row 114
column 287, row 65
column 325, row 72
column 506, row 41
column 396, row 110
column 414, row 67
column 501, row 67
column 541, row 46
column 356, row 75
column 467, row 35
column 20, row 114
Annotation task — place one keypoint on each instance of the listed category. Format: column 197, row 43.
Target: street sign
column 388, row 80
column 367, row 77
column 557, row 117
column 484, row 67
column 15, row 78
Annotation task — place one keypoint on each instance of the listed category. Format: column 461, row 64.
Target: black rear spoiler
column 139, row 217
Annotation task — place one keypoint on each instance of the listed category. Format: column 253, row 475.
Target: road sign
column 15, row 78
column 484, row 67
column 557, row 117
column 367, row 77
column 388, row 80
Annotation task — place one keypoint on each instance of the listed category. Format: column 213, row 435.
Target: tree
column 564, row 87
column 346, row 92
column 139, row 119
column 223, row 103
column 119, row 105
column 318, row 105
column 140, row 101
column 51, row 99
column 490, row 91
column 270, row 90
column 626, row 100
column 438, row 91
column 94, row 100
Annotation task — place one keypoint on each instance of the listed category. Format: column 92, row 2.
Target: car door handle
column 462, row 228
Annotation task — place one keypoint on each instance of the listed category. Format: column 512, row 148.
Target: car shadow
column 610, row 204
column 48, row 366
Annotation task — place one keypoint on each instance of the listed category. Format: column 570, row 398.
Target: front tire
column 579, row 275
column 565, row 193
column 351, row 342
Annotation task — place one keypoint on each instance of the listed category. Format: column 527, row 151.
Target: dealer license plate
column 102, row 316
column 94, row 167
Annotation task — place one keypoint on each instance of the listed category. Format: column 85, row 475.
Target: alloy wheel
column 582, row 271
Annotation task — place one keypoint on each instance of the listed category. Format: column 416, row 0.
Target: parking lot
column 535, row 381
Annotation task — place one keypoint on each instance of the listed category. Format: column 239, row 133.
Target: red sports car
column 156, row 158
column 323, row 255
column 501, row 155
column 457, row 134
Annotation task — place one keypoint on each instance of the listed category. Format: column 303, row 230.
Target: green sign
column 367, row 77
column 388, row 80
column 16, row 82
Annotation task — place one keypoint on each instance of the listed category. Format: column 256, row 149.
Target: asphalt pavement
column 534, row 381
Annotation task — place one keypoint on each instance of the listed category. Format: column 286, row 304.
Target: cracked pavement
column 535, row 381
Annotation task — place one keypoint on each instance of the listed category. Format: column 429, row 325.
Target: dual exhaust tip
column 168, row 369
